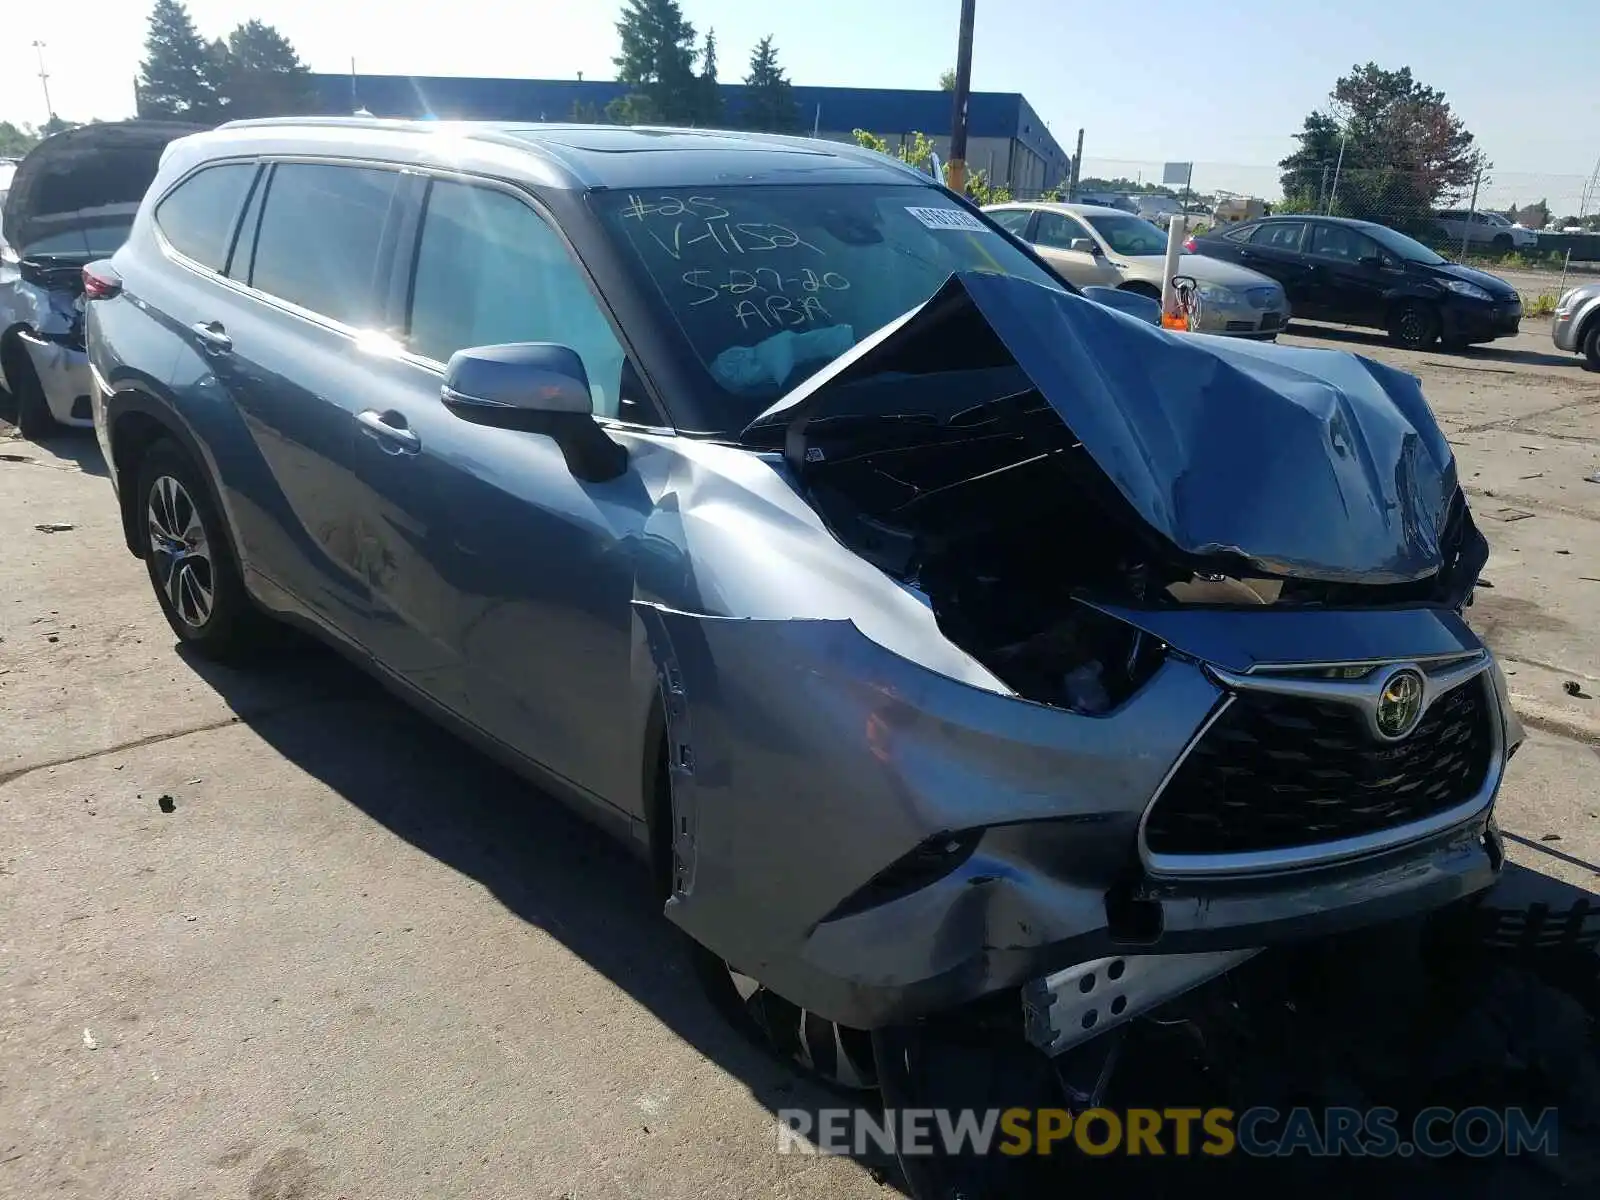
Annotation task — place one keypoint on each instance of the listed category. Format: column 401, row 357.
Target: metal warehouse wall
column 1006, row 137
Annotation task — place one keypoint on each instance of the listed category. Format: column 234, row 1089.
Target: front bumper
column 1482, row 322
column 809, row 760
column 64, row 377
column 1239, row 319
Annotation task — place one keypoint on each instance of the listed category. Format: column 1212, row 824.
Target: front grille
column 1272, row 320
column 1241, row 326
column 1275, row 772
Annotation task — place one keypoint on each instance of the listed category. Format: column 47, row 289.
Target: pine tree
column 262, row 76
column 177, row 77
column 768, row 99
column 656, row 61
column 710, row 93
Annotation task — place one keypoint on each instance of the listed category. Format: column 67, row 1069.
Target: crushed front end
column 1221, row 695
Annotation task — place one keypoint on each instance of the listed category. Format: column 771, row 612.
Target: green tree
column 260, row 75
column 17, row 140
column 710, row 92
column 947, row 79
column 1403, row 149
column 656, row 61
column 768, row 98
column 177, row 79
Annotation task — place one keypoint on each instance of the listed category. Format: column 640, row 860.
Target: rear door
column 1053, row 236
column 297, row 347
column 1275, row 249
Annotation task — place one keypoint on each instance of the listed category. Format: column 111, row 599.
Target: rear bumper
column 64, row 377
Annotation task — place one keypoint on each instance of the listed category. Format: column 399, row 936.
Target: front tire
column 34, row 419
column 1414, row 325
column 1591, row 344
column 184, row 545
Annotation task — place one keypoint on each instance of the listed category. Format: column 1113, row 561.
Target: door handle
column 389, row 429
column 214, row 334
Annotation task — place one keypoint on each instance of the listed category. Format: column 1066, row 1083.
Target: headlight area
column 1470, row 290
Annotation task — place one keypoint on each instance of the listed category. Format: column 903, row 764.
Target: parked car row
column 815, row 535
column 1089, row 245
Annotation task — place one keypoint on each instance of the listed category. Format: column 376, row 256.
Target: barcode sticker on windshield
column 949, row 218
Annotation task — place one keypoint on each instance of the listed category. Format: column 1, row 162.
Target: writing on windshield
column 756, row 294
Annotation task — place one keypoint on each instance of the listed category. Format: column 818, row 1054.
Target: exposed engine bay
column 942, row 462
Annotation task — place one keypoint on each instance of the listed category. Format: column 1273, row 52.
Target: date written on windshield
column 782, row 300
column 710, row 221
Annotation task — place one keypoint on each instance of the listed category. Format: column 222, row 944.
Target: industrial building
column 1005, row 136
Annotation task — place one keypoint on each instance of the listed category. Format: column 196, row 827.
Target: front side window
column 1058, row 231
column 1129, row 236
column 198, row 216
column 490, row 271
column 1279, row 235
column 317, row 244
column 1342, row 243
column 769, row 282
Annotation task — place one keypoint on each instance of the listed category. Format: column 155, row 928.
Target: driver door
column 1054, row 234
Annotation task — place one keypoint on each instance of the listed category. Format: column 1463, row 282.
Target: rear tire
column 34, row 419
column 1501, row 243
column 1414, row 325
column 184, row 544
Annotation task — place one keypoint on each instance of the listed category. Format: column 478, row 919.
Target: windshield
column 769, row 283
column 1399, row 244
column 1131, row 236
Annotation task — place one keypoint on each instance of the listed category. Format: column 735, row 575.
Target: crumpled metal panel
column 1315, row 464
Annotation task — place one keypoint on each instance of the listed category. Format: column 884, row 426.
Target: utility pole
column 1077, row 169
column 1472, row 211
column 1337, row 167
column 44, row 81
column 956, row 169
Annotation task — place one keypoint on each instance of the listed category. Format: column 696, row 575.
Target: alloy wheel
column 180, row 552
column 837, row 1054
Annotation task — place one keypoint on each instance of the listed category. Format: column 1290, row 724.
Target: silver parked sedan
column 1090, row 245
column 1576, row 328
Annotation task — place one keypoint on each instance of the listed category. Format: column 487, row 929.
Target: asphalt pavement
column 270, row 935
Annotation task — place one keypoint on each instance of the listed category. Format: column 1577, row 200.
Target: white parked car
column 1485, row 229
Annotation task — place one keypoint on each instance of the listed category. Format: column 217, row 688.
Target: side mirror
column 534, row 387
column 1084, row 245
column 1134, row 304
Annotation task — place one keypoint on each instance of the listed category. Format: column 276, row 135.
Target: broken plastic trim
column 926, row 864
column 1082, row 1002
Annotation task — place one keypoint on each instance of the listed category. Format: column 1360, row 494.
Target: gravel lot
column 356, row 960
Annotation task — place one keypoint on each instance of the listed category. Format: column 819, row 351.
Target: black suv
column 1359, row 273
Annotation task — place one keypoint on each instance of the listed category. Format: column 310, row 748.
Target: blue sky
column 1223, row 85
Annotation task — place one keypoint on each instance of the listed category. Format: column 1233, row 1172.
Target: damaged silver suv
column 939, row 635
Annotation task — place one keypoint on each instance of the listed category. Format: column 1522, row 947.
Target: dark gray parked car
column 70, row 201
column 938, row 635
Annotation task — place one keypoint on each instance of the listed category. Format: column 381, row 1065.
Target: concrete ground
column 270, row 935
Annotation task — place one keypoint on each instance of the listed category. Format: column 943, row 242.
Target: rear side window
column 198, row 216
column 1014, row 220
column 1240, row 233
column 318, row 242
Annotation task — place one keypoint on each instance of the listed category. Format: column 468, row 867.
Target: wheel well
column 132, row 435
column 12, row 355
column 657, row 790
column 1141, row 287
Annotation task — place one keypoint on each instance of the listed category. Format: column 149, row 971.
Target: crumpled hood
column 84, row 174
column 1315, row 464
